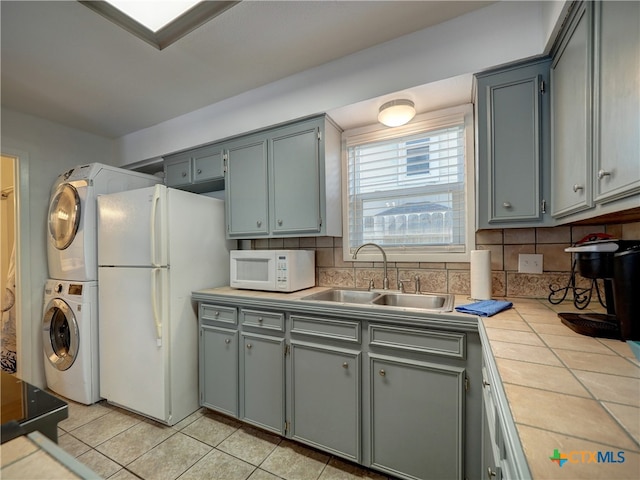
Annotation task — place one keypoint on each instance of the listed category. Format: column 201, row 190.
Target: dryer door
column 64, row 215
column 60, row 335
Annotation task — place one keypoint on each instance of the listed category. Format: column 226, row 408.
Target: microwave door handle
column 154, row 304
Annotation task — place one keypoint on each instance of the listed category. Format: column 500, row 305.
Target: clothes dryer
column 70, row 339
column 72, row 220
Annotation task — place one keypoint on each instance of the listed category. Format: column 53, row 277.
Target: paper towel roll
column 481, row 274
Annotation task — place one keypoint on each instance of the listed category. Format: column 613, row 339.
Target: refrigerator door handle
column 154, row 207
column 154, row 304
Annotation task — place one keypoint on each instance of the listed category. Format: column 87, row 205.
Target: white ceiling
column 63, row 62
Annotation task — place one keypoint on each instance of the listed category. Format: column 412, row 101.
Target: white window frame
column 420, row 123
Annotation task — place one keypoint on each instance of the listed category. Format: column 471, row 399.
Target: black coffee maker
column 617, row 263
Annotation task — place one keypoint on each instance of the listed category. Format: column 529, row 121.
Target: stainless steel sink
column 440, row 302
column 425, row 301
column 343, row 296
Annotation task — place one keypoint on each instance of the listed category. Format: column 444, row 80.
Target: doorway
column 8, row 293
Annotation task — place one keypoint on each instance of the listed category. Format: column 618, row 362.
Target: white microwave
column 273, row 270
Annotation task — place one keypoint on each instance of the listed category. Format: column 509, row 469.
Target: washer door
column 60, row 336
column 64, row 215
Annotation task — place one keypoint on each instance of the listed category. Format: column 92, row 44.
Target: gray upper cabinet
column 246, row 191
column 513, row 145
column 595, row 102
column 285, row 182
column 571, row 75
column 617, row 100
column 199, row 170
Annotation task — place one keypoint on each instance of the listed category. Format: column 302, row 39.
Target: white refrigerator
column 155, row 246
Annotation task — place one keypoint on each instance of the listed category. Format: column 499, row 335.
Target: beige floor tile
column 295, row 462
column 250, row 444
column 103, row 466
column 539, row 445
column 611, row 388
column 211, row 429
column 170, row 459
column 525, row 338
column 341, row 470
column 506, row 324
column 72, row 445
column 595, row 362
column 260, row 474
column 82, row 414
column 105, row 427
column 529, row 353
column 16, row 449
column 38, row 465
column 217, row 465
column 566, row 414
column 627, row 416
column 545, row 377
column 123, row 474
column 580, row 343
column 190, row 419
column 134, row 442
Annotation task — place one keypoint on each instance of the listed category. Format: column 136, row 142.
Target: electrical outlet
column 530, row 263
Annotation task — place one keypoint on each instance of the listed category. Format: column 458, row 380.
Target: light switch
column 530, row 263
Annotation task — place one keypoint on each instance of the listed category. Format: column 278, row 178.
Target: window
column 410, row 189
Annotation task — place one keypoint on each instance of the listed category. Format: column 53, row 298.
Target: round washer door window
column 60, row 335
column 64, row 215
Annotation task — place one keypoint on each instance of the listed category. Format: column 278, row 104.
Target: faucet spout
column 385, row 280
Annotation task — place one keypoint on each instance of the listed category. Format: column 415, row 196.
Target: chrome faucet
column 385, row 280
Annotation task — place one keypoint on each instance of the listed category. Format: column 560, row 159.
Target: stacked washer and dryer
column 70, row 315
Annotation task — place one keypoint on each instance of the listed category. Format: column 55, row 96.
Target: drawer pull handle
column 249, row 346
column 199, row 171
column 217, row 314
column 345, row 365
column 227, row 341
column 490, row 473
column 577, row 187
column 506, row 205
column 602, row 174
column 260, row 319
column 382, row 373
column 184, row 174
column 485, row 383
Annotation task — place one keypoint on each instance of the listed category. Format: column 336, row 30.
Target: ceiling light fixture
column 161, row 32
column 396, row 113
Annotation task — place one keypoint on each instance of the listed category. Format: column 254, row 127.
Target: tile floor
column 120, row 445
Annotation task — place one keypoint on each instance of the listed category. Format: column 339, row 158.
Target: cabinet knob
column 382, row 373
column 227, row 341
column 279, row 222
column 577, row 187
column 199, row 171
column 345, row 365
column 216, row 314
column 490, row 473
column 184, row 174
column 260, row 319
column 602, row 174
column 259, row 223
column 249, row 346
column 506, row 205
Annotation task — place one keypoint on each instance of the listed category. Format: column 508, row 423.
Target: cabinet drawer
column 325, row 328
column 436, row 343
column 265, row 320
column 216, row 313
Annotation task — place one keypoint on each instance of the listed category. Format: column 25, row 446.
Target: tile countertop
column 566, row 391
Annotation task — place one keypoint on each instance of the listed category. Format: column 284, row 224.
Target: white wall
column 498, row 34
column 46, row 149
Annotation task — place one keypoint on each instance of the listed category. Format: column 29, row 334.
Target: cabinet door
column 262, row 381
column 219, row 369
column 178, row 171
column 422, row 404
column 246, row 188
column 513, row 113
column 325, row 398
column 617, row 100
column 295, row 177
column 208, row 164
column 571, row 105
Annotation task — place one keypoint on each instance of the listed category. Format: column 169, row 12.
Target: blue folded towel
column 485, row 308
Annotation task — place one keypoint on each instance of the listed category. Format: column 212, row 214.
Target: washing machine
column 70, row 339
column 72, row 240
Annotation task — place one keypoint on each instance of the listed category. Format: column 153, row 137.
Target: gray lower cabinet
column 325, row 393
column 513, row 111
column 219, row 369
column 262, row 387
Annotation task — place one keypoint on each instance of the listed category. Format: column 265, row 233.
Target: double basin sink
column 425, row 301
